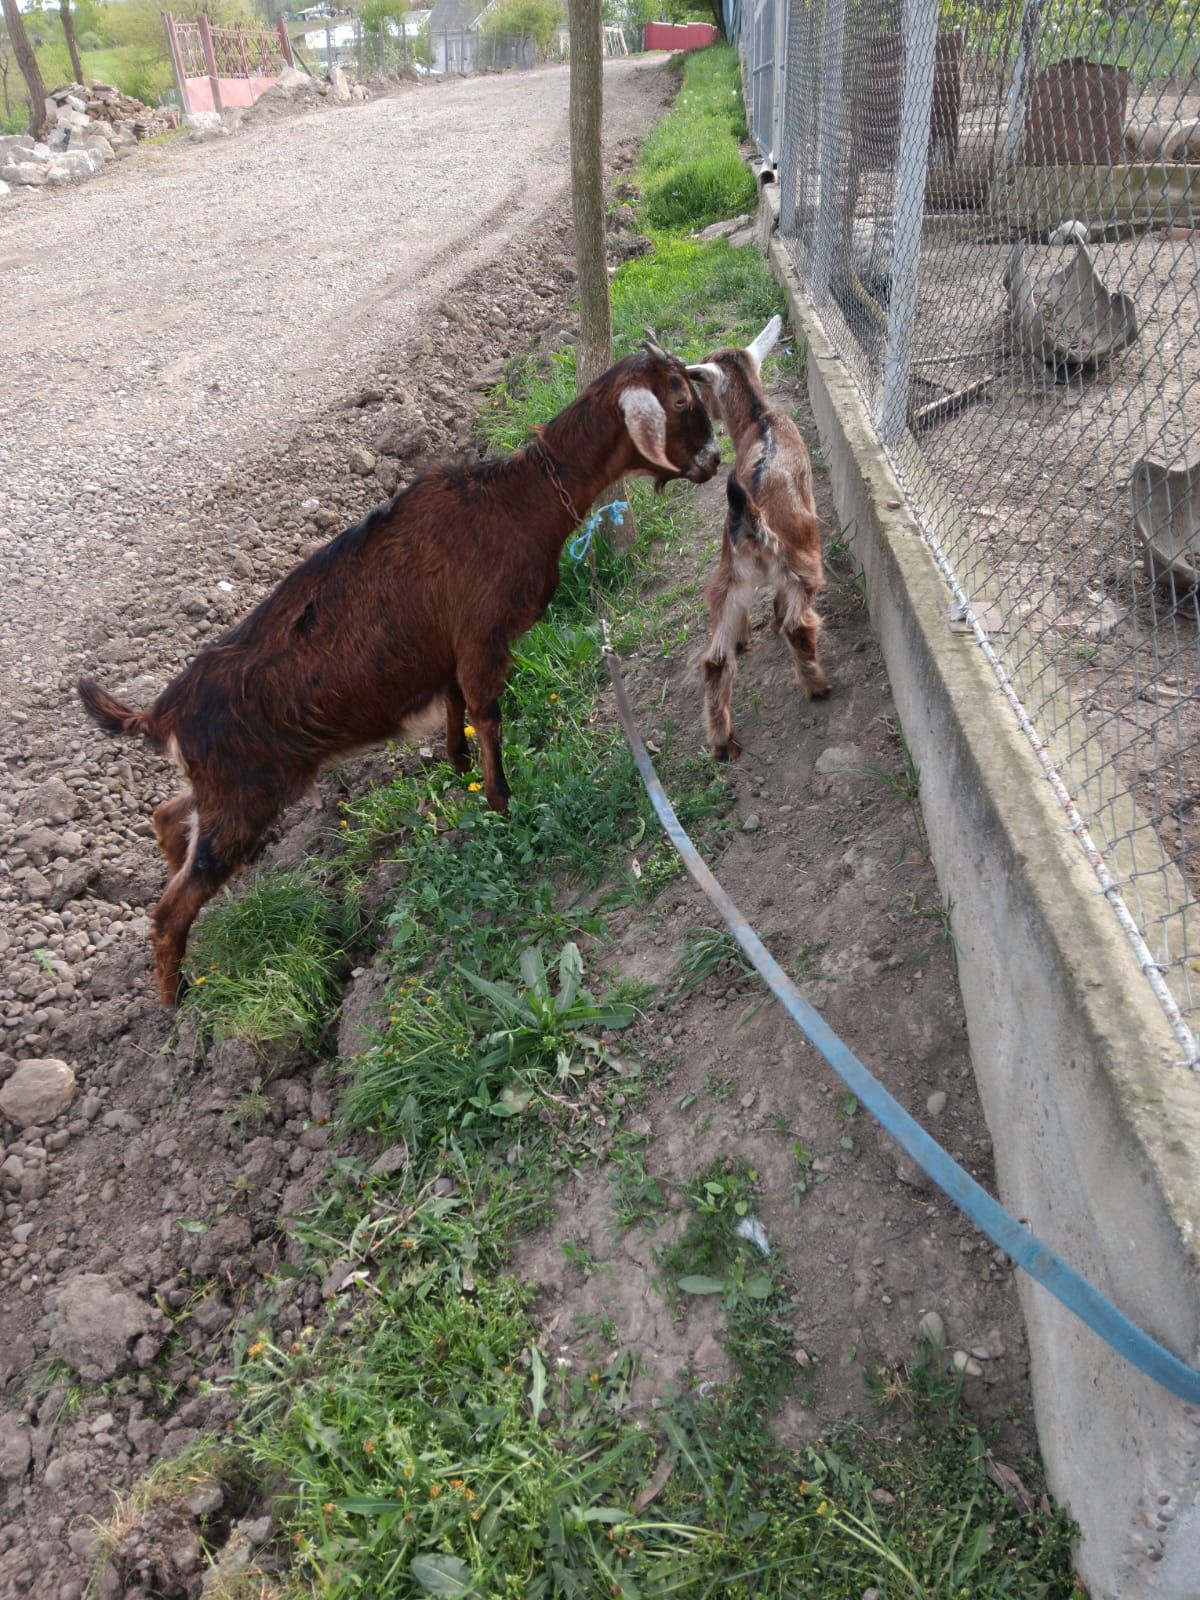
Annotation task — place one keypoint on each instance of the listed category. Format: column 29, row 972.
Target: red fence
column 219, row 67
column 679, row 35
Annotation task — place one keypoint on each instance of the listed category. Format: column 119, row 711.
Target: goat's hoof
column 729, row 751
column 498, row 802
column 816, row 689
column 743, row 647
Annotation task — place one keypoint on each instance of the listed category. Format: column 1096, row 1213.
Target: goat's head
column 726, row 372
column 664, row 417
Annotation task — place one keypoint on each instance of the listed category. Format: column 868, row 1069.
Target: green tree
column 537, row 20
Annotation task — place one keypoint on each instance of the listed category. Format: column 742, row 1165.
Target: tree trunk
column 594, row 352
column 30, row 70
column 68, row 22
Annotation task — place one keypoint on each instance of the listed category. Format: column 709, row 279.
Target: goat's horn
column 650, row 342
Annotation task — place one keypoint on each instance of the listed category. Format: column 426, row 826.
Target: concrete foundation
column 1096, row 1127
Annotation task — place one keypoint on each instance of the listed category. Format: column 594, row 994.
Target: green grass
column 692, row 172
column 264, row 964
column 143, row 73
column 422, row 1439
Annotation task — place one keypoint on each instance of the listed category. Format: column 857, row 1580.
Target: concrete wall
column 1096, row 1129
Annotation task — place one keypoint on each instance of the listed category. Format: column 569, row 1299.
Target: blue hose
column 1040, row 1262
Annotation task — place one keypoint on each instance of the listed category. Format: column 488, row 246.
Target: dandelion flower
column 435, row 1491
column 469, row 731
column 368, row 1446
column 554, row 697
column 201, row 979
column 474, row 787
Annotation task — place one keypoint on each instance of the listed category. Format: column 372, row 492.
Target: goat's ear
column 765, row 343
column 706, row 372
column 647, row 424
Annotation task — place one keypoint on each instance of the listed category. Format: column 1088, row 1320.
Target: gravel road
column 194, row 301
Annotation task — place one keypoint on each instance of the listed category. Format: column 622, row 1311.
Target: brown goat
column 419, row 602
column 772, row 538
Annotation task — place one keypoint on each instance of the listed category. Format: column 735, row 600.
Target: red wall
column 679, row 35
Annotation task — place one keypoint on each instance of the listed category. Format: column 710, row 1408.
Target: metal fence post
column 920, row 39
column 1014, row 106
column 831, row 138
column 210, row 60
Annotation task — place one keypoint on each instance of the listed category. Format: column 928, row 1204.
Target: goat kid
column 418, row 603
column 772, row 537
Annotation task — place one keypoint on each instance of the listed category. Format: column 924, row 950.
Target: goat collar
column 539, row 447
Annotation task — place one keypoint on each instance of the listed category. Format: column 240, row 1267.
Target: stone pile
column 89, row 127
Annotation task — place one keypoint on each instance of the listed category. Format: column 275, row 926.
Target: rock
column 12, row 143
column 339, row 87
column 1105, row 620
column 752, row 823
column 52, row 802
column 292, row 78
column 38, row 1092
column 932, row 1329
column 4, row 189
column 361, row 461
column 840, row 761
column 936, row 1103
column 15, row 1450
column 28, row 174
column 722, row 230
column 962, row 1362
column 394, row 1159
column 101, row 1329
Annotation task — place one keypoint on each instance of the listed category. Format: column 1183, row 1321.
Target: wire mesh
column 993, row 209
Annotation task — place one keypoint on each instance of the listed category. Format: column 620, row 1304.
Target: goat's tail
column 113, row 714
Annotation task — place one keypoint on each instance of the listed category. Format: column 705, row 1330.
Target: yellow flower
column 257, row 1348
column 474, row 787
column 554, row 697
column 343, row 823
column 435, row 1491
column 593, row 1378
column 368, row 1446
column 328, row 1507
column 408, row 1243
column 469, row 731
column 406, row 1472
column 201, row 980
column 823, row 1508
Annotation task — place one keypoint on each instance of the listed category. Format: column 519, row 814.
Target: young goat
column 418, row 603
column 772, row 537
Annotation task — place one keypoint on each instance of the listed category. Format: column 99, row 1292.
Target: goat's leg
column 487, row 727
column 481, row 681
column 217, row 849
column 172, row 828
column 457, row 753
column 719, row 673
column 802, row 629
column 746, row 639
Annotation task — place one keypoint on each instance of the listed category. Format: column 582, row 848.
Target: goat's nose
column 709, row 459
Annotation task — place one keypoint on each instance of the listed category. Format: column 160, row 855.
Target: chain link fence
column 993, row 208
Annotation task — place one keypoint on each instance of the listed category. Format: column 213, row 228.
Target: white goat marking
column 189, row 859
column 647, row 424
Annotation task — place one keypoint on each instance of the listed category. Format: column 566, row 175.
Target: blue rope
column 582, row 542
column 1040, row 1262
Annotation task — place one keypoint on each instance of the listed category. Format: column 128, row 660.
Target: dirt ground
column 154, row 1190
column 825, row 856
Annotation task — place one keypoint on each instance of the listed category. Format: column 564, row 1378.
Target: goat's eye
column 682, row 399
